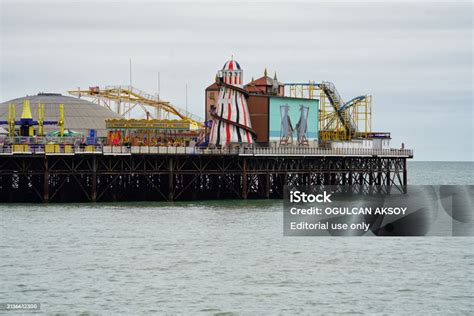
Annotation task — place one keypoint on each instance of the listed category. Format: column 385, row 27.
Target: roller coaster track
column 346, row 120
column 340, row 107
column 137, row 97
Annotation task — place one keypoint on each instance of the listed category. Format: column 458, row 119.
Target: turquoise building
column 294, row 113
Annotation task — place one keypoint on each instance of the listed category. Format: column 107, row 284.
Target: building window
column 211, row 96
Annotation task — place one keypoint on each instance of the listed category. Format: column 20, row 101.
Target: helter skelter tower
column 231, row 119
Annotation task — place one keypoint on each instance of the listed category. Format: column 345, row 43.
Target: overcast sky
column 414, row 58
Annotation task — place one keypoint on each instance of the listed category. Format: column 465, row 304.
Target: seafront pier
column 255, row 139
column 65, row 173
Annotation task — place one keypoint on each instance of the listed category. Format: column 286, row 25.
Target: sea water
column 225, row 257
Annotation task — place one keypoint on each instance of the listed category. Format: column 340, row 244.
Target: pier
column 65, row 173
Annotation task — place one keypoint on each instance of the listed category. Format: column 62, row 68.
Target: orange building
column 212, row 94
column 266, row 85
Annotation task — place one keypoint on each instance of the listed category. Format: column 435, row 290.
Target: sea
column 225, row 258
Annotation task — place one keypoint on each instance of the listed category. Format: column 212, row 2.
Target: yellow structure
column 11, row 119
column 127, row 98
column 338, row 120
column 52, row 148
column 353, row 122
column 40, row 119
column 61, row 120
column 27, row 124
column 308, row 90
column 27, row 117
column 20, row 148
column 26, row 113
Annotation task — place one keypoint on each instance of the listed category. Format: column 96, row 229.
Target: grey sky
column 414, row 58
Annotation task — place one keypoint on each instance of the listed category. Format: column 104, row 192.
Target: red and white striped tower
column 231, row 117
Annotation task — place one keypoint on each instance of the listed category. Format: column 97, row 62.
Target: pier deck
column 185, row 173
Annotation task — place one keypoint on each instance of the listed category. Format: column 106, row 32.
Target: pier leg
column 94, row 179
column 194, row 194
column 46, row 182
column 351, row 175
column 379, row 176
column 244, row 179
column 219, row 182
column 405, row 178
column 267, row 185
column 371, row 180
column 388, row 181
column 170, row 180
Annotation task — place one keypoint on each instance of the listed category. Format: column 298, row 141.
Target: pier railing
column 68, row 149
